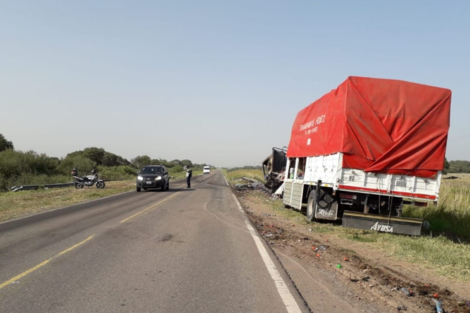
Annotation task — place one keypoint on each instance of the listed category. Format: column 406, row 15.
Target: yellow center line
column 3, row 285
column 24, row 274
column 149, row 208
column 73, row 247
column 42, row 264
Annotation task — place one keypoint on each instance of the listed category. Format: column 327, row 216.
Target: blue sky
column 216, row 82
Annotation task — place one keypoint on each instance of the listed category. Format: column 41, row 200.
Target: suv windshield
column 151, row 170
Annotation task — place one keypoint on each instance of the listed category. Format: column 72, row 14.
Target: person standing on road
column 189, row 174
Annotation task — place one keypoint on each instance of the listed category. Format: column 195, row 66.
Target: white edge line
column 225, row 180
column 282, row 289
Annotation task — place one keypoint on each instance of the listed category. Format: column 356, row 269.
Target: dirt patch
column 367, row 272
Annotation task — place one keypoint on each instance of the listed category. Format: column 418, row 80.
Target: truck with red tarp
column 366, row 148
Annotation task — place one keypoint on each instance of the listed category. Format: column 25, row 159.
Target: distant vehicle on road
column 152, row 177
column 206, row 170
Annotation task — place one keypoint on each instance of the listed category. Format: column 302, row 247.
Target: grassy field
column 447, row 256
column 19, row 204
column 451, row 217
column 238, row 174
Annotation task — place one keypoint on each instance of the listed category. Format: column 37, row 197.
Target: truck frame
column 361, row 199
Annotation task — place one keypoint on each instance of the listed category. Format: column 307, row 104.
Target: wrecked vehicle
column 363, row 150
column 274, row 168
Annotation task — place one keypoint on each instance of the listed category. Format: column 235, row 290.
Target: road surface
column 182, row 250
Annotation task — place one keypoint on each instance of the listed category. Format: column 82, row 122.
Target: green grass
column 238, row 174
column 451, row 217
column 19, row 204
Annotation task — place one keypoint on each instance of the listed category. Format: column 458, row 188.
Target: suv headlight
column 140, row 178
column 158, row 178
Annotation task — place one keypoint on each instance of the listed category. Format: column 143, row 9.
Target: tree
column 446, row 166
column 141, row 161
column 94, row 154
column 83, row 164
column 186, row 163
column 110, row 159
column 5, row 144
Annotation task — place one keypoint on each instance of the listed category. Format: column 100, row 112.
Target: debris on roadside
column 438, row 306
column 300, row 241
column 407, row 292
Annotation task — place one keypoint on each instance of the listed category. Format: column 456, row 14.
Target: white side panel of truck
column 326, row 168
column 329, row 170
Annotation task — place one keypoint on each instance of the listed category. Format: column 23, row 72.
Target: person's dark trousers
column 188, row 181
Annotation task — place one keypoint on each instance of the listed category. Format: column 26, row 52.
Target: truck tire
column 311, row 205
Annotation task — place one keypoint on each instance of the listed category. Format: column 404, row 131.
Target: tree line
column 25, row 168
column 459, row 166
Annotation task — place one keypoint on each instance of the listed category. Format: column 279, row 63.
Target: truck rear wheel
column 311, row 205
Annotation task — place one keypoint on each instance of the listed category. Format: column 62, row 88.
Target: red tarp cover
column 380, row 125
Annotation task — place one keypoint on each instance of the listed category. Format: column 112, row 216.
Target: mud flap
column 395, row 225
column 327, row 207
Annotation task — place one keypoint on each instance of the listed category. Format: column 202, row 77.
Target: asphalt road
column 182, row 250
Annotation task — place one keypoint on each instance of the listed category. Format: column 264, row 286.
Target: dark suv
column 152, row 177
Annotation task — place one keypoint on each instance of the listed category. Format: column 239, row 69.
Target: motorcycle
column 89, row 181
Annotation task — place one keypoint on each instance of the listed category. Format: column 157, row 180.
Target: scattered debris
column 438, row 306
column 407, row 292
column 303, row 243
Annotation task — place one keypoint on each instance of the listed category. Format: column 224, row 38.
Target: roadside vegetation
column 30, row 168
column 19, row 204
column 451, row 217
column 234, row 174
column 444, row 249
column 19, row 168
